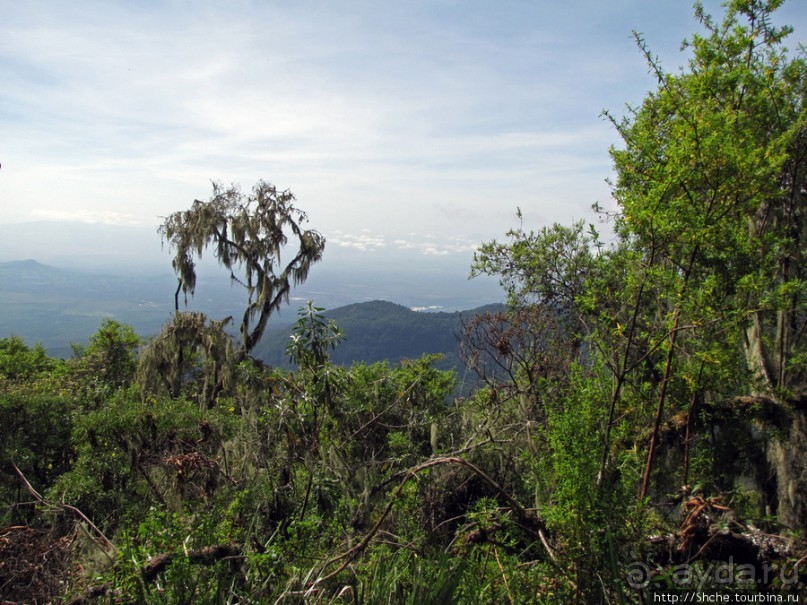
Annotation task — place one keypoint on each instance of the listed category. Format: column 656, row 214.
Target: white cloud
column 104, row 217
column 430, row 247
column 424, row 245
column 363, row 241
column 432, row 250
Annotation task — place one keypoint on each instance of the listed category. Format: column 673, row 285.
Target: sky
column 416, row 126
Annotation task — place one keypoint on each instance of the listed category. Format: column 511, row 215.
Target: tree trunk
column 787, row 455
column 756, row 359
column 787, row 447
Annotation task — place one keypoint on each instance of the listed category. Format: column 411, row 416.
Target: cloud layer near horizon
column 388, row 119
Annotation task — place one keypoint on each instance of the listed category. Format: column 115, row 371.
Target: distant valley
column 56, row 307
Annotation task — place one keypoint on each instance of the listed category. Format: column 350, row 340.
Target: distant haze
column 65, row 288
column 85, row 245
column 345, row 275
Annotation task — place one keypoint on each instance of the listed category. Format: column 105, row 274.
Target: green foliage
column 36, row 409
column 134, row 453
column 551, row 266
column 630, row 389
column 710, row 184
column 594, row 512
column 403, row 577
column 182, row 581
column 311, row 338
column 109, row 362
column 710, row 187
column 697, row 302
column 34, row 437
column 18, row 361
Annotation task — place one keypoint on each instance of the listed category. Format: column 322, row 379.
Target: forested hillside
column 639, row 433
column 383, row 331
column 376, row 331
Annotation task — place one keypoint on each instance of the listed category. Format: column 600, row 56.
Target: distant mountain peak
column 28, row 264
column 370, row 308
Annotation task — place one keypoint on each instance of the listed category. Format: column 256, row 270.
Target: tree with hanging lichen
column 192, row 356
column 711, row 187
column 698, row 310
column 250, row 235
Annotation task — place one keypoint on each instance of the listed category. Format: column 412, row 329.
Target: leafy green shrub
column 18, row 361
column 36, row 411
column 134, row 452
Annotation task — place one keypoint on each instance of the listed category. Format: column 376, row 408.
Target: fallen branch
column 712, row 543
column 529, row 521
column 92, row 593
column 209, row 555
column 106, row 542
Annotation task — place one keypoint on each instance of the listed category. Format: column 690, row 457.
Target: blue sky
column 417, row 126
